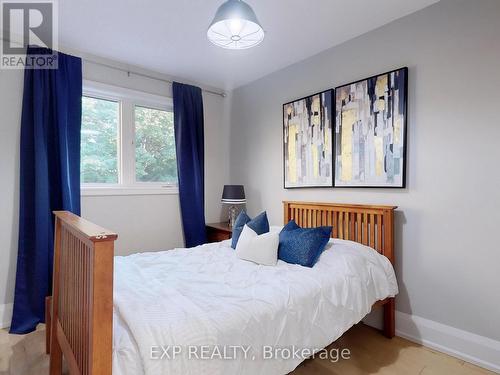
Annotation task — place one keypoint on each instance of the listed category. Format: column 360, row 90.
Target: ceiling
column 169, row 36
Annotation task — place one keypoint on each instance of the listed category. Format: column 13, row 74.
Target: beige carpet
column 23, row 354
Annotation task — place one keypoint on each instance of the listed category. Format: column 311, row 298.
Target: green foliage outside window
column 99, row 144
column 155, row 159
column 155, row 146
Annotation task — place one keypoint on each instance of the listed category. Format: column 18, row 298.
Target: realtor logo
column 28, row 23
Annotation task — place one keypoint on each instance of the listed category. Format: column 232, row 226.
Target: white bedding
column 206, row 296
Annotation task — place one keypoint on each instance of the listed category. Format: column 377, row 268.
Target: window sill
column 100, row 191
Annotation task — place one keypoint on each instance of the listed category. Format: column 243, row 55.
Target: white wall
column 446, row 247
column 148, row 222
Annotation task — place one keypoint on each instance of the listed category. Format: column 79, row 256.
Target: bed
column 205, row 303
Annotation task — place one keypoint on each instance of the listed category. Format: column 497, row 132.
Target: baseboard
column 479, row 350
column 5, row 315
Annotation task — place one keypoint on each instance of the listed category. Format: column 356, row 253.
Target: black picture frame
column 331, row 142
column 405, row 133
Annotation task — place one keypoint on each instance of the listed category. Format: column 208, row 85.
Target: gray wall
column 446, row 247
column 143, row 223
column 10, row 109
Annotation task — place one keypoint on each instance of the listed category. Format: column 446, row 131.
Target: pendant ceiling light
column 235, row 26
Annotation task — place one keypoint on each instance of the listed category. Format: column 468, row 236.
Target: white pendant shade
column 235, row 26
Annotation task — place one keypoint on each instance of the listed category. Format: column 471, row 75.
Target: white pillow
column 275, row 228
column 261, row 249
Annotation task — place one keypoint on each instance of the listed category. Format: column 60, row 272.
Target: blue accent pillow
column 259, row 224
column 302, row 245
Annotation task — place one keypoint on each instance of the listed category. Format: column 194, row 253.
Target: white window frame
column 128, row 99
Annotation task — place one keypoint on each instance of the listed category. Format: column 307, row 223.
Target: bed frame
column 79, row 314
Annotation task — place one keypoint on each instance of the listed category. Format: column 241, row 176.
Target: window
column 99, row 147
column 154, row 146
column 128, row 143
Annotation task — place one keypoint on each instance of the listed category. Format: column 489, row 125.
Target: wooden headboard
column 367, row 224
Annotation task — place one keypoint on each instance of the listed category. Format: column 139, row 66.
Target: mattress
column 204, row 311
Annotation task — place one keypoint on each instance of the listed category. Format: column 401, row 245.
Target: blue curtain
column 49, row 177
column 189, row 144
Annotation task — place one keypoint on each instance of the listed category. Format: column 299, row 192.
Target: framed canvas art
column 370, row 131
column 307, row 141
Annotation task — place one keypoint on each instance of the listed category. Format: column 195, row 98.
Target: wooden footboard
column 80, row 312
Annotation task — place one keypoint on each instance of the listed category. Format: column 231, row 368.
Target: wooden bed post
column 101, row 311
column 55, row 348
column 81, row 319
column 390, row 306
column 286, row 213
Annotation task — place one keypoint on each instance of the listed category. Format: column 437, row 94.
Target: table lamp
column 233, row 195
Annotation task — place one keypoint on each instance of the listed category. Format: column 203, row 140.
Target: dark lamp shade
column 233, row 194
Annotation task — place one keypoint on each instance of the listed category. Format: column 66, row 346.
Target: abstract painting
column 370, row 131
column 307, row 141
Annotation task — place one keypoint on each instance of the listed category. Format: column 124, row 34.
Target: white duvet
column 204, row 300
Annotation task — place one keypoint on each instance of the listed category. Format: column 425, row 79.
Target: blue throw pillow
column 291, row 225
column 302, row 245
column 259, row 224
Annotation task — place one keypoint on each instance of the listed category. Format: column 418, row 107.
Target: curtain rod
column 129, row 72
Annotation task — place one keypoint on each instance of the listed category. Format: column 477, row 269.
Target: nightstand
column 218, row 231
